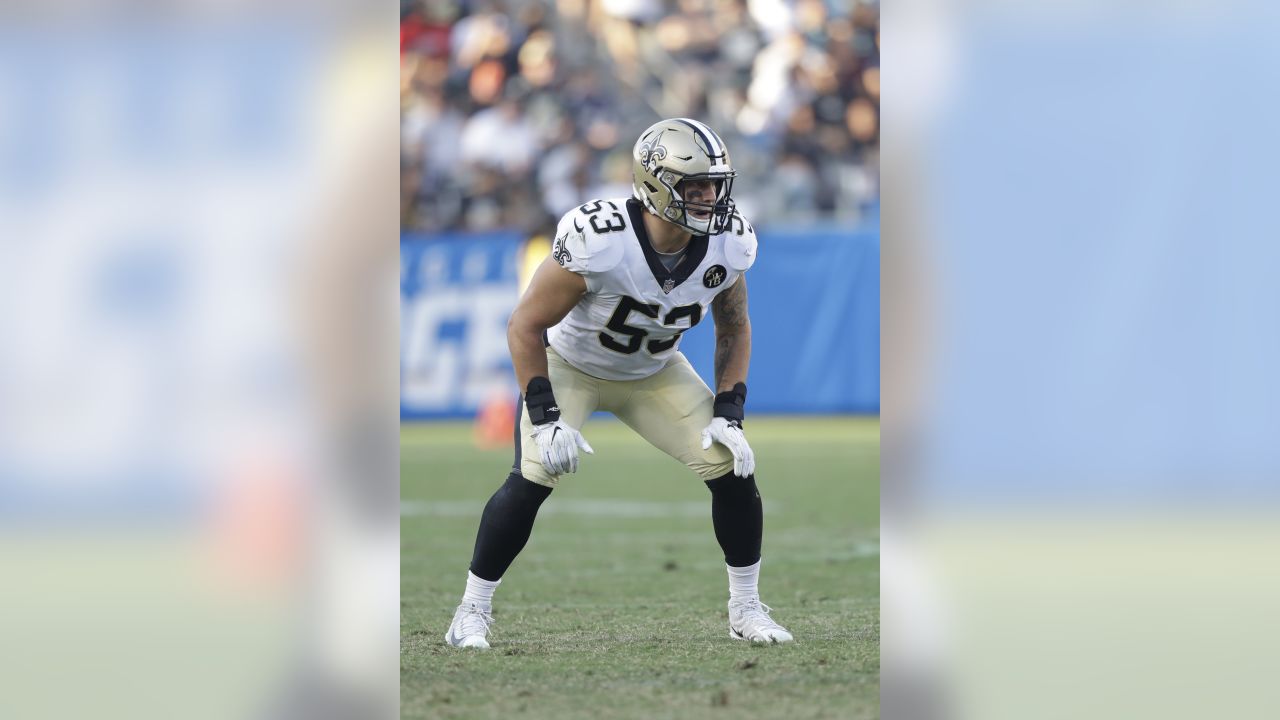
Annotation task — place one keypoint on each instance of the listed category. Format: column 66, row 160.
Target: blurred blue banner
column 456, row 293
column 815, row 324
column 815, row 314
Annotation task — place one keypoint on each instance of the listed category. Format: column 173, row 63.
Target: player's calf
column 737, row 514
column 505, row 525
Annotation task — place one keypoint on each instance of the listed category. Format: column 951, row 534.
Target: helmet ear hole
column 649, row 186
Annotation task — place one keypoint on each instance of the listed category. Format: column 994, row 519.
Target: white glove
column 559, row 444
column 730, row 435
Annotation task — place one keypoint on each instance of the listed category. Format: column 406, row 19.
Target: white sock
column 744, row 581
column 479, row 590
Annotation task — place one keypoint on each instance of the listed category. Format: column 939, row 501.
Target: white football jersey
column 629, row 323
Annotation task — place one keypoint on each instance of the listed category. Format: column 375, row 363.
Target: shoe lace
column 475, row 620
column 757, row 612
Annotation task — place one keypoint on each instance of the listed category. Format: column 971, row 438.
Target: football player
column 599, row 329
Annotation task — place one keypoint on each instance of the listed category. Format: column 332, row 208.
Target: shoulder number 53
column 613, row 224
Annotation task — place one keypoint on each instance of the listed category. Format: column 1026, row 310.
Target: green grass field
column 616, row 608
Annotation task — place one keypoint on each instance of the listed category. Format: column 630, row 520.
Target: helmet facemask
column 718, row 210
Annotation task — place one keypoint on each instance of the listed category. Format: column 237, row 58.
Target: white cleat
column 470, row 627
column 749, row 620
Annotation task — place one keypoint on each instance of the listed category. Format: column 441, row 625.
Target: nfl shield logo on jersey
column 668, row 285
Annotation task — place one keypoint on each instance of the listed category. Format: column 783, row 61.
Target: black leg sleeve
column 505, row 525
column 738, row 517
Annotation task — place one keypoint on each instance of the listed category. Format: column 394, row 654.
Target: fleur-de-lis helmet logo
column 651, row 153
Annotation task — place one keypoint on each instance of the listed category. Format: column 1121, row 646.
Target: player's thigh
column 577, row 395
column 670, row 410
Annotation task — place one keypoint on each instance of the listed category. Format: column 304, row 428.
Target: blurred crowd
column 514, row 111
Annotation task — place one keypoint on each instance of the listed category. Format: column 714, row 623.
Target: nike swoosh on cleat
column 742, row 636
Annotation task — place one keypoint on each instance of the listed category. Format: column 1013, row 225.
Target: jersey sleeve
column 580, row 249
column 739, row 243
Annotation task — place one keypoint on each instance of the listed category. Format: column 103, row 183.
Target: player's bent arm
column 733, row 336
column 733, row 354
column 552, row 293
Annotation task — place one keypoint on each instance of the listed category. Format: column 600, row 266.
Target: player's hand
column 729, row 434
column 559, row 445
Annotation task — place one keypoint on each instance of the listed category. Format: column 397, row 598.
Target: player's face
column 698, row 191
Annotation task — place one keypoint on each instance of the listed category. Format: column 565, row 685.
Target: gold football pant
column 669, row 409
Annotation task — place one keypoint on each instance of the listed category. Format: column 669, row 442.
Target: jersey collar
column 667, row 280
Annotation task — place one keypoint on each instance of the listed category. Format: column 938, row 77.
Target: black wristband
column 541, row 402
column 729, row 403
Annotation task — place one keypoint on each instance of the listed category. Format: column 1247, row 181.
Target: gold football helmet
column 676, row 150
